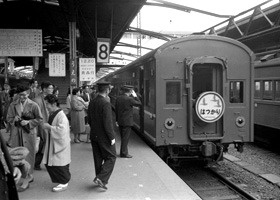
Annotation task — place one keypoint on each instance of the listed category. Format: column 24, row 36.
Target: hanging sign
column 57, row 64
column 21, row 42
column 210, row 106
column 87, row 69
column 103, row 50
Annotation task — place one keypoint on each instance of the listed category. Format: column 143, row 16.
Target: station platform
column 145, row 176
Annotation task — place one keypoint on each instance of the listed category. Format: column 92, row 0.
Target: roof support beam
column 151, row 33
column 131, row 45
column 167, row 4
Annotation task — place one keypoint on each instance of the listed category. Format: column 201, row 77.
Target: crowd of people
column 38, row 127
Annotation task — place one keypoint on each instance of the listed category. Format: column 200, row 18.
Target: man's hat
column 104, row 84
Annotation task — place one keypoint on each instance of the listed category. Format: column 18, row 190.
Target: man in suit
column 34, row 91
column 124, row 116
column 47, row 88
column 102, row 135
column 85, row 95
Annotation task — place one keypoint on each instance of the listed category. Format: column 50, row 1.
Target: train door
column 141, row 90
column 205, row 80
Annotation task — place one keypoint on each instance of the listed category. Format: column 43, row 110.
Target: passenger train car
column 267, row 99
column 197, row 94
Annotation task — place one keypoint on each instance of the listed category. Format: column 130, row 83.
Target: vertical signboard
column 87, row 69
column 103, row 50
column 57, row 64
column 73, row 73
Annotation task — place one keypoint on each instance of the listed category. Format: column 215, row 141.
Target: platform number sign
column 103, row 50
column 210, row 107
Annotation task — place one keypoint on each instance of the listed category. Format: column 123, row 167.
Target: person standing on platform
column 124, row 116
column 86, row 98
column 57, row 156
column 102, row 135
column 9, row 175
column 47, row 88
column 24, row 116
column 34, row 91
column 6, row 100
column 77, row 113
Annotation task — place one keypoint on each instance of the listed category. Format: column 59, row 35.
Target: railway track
column 210, row 185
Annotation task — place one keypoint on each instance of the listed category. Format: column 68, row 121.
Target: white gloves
column 133, row 93
column 113, row 141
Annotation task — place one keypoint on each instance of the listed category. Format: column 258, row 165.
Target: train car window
column 267, row 90
column 277, row 90
column 147, row 92
column 236, row 92
column 257, row 89
column 173, row 92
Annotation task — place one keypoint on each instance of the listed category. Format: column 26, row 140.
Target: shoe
column 22, row 188
column 100, row 183
column 60, row 187
column 31, row 178
column 76, row 141
column 126, row 156
column 38, row 168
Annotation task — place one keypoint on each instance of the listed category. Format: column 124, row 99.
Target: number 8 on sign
column 103, row 47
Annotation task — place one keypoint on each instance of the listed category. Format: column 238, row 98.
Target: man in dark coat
column 8, row 174
column 124, row 116
column 102, row 135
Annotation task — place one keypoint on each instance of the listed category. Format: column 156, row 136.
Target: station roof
column 94, row 19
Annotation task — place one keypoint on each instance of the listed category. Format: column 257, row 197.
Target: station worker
column 57, row 156
column 124, row 116
column 9, row 175
column 102, row 135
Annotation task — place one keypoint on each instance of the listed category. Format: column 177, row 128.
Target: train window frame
column 267, row 89
column 257, row 93
column 240, row 99
column 179, row 96
column 277, row 90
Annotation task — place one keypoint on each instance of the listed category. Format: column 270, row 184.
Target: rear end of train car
column 203, row 92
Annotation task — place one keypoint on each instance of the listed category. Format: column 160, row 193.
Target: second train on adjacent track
column 197, row 96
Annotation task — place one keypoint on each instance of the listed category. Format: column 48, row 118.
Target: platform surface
column 145, row 176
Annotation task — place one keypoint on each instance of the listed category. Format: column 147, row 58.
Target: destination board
column 21, row 42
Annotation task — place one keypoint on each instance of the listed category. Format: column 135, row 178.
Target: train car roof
column 152, row 53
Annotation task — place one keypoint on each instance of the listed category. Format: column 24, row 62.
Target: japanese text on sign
column 21, row 42
column 210, row 107
column 57, row 64
column 87, row 69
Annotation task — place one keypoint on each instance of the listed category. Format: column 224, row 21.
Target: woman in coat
column 77, row 113
column 57, row 156
column 24, row 116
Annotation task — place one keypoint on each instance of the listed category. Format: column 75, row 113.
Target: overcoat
column 100, row 120
column 45, row 113
column 18, row 136
column 57, row 150
column 124, row 109
column 77, row 114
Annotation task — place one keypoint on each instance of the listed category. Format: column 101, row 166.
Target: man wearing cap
column 124, row 116
column 102, row 135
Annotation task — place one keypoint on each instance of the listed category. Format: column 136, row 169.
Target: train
column 267, row 99
column 197, row 96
